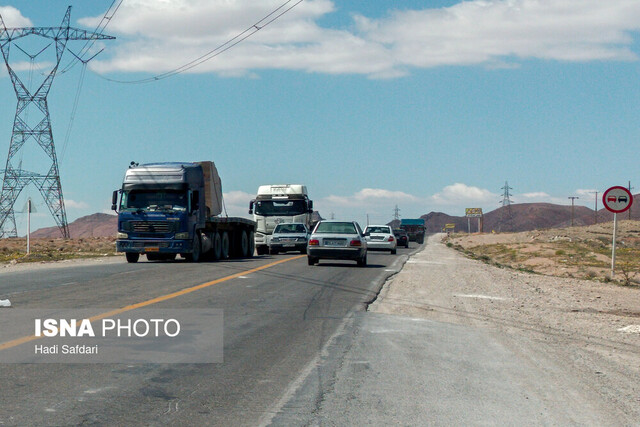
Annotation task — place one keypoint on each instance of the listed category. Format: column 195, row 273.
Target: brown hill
column 528, row 216
column 95, row 225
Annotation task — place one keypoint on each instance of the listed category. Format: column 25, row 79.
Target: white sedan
column 380, row 237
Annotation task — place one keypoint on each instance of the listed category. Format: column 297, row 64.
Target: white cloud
column 372, row 196
column 460, row 194
column 237, row 203
column 158, row 36
column 13, row 18
column 72, row 204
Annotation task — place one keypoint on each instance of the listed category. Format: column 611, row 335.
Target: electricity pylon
column 38, row 128
column 506, row 214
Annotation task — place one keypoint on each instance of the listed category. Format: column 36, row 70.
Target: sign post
column 617, row 200
column 473, row 213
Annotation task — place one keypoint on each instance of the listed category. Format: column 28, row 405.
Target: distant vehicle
column 380, row 237
column 415, row 228
column 275, row 204
column 337, row 240
column 402, row 237
column 167, row 209
column 289, row 237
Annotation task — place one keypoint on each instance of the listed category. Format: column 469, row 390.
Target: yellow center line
column 18, row 341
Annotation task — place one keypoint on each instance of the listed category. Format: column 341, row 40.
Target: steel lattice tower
column 506, row 214
column 16, row 179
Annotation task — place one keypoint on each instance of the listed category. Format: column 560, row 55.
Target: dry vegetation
column 14, row 250
column 579, row 252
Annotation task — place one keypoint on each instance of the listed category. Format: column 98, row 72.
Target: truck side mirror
column 310, row 206
column 251, row 207
column 114, row 201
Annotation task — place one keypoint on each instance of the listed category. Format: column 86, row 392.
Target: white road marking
column 631, row 329
column 479, row 297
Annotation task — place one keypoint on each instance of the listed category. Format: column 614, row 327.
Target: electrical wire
column 248, row 32
column 102, row 25
column 74, row 109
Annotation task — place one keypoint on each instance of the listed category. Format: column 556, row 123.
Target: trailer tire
column 224, row 252
column 252, row 244
column 244, row 244
column 132, row 257
column 216, row 246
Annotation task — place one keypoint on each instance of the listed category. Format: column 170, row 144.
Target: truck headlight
column 182, row 236
column 122, row 236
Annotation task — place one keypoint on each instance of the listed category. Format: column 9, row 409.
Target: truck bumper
column 154, row 246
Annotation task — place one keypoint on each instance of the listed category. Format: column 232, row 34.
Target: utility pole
column 595, row 212
column 38, row 128
column 572, row 200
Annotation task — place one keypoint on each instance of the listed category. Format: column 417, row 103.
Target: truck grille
column 152, row 226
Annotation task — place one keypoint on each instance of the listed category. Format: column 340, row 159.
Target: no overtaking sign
column 617, row 199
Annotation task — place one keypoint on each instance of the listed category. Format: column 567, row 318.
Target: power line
column 102, row 25
column 248, row 32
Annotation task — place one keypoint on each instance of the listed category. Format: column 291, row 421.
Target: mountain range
column 515, row 217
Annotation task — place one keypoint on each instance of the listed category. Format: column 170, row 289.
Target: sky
column 423, row 105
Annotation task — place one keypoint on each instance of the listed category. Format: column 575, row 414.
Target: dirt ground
column 583, row 335
column 14, row 250
column 580, row 252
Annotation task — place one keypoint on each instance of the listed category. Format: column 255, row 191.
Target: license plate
column 377, row 237
column 289, row 245
column 329, row 242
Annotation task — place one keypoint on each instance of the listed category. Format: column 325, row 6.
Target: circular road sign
column 617, row 199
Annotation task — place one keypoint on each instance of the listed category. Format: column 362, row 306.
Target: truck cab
column 276, row 204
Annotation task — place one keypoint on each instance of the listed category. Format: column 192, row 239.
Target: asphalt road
column 276, row 322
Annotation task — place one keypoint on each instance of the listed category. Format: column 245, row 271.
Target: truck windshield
column 280, row 208
column 154, row 200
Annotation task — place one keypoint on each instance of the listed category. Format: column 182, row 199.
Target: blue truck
column 166, row 209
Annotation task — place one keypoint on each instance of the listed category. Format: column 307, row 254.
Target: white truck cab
column 275, row 204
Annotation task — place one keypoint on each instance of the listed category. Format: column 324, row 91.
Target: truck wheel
column 132, row 257
column 252, row 244
column 216, row 246
column 196, row 253
column 224, row 252
column 244, row 244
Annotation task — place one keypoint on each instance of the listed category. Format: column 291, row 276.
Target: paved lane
column 276, row 320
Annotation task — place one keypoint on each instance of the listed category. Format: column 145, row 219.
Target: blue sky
column 428, row 105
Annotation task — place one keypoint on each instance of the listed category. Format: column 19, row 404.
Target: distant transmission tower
column 396, row 213
column 506, row 214
column 38, row 128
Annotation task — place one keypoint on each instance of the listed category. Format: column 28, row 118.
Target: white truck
column 275, row 204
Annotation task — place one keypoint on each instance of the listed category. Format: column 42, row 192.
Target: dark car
column 402, row 236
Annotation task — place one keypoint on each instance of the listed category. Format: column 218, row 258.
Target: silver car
column 381, row 237
column 290, row 236
column 337, row 240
